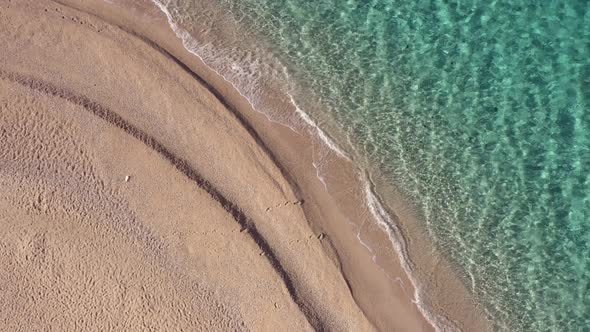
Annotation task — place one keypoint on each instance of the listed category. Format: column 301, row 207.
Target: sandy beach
column 139, row 191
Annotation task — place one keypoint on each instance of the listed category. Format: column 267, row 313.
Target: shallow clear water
column 480, row 111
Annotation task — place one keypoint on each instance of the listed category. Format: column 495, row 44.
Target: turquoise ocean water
column 478, row 110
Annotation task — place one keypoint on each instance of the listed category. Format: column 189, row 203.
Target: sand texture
column 138, row 193
column 84, row 107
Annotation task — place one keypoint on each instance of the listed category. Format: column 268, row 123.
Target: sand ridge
column 84, row 105
column 182, row 166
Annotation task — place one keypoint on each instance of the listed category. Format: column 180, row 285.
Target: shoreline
column 382, row 211
column 324, row 140
column 266, row 127
column 373, row 289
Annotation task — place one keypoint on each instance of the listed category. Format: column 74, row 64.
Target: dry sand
column 139, row 192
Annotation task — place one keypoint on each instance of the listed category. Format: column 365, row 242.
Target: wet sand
column 140, row 191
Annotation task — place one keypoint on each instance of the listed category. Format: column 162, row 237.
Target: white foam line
column 374, row 258
column 319, row 175
column 358, row 236
column 389, row 226
column 185, row 37
column 321, row 134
